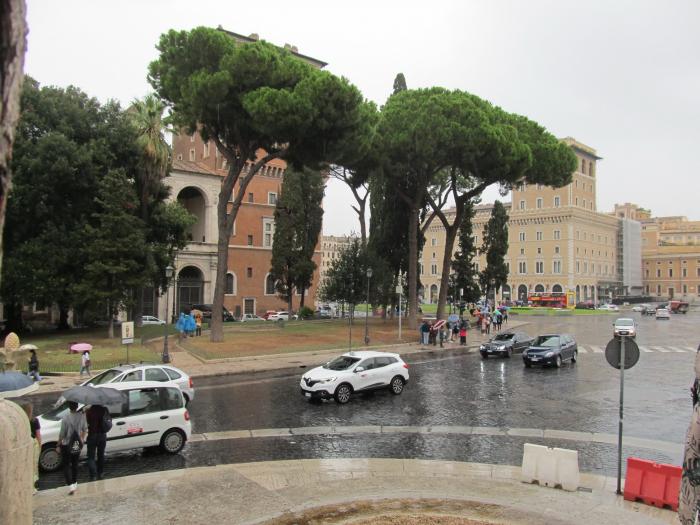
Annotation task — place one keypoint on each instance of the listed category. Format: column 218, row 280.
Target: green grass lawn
column 54, row 356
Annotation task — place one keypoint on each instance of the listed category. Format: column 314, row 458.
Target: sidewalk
column 338, row 491
column 196, row 367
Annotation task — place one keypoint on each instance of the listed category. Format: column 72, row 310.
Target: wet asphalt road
column 450, row 388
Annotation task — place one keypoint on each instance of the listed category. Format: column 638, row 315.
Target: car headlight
column 328, row 380
column 482, row 347
column 549, row 354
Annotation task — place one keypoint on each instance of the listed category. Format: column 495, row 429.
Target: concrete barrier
column 550, row 467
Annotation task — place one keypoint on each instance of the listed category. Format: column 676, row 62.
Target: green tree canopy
column 248, row 97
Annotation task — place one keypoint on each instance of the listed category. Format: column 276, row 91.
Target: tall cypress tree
column 495, row 246
column 463, row 262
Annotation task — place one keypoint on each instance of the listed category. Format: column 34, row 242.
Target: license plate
column 307, row 394
column 534, row 359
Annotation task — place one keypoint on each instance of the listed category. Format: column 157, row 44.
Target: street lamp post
column 369, row 276
column 168, row 274
column 493, row 287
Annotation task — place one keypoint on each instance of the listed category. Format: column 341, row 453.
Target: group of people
column 433, row 331
column 189, row 325
column 485, row 319
column 78, row 428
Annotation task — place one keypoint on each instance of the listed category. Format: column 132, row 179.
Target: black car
column 505, row 344
column 551, row 349
column 206, row 312
column 585, row 305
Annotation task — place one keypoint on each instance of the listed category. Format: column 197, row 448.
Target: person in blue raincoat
column 181, row 325
column 190, row 325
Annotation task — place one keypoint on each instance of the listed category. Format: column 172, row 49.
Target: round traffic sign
column 614, row 349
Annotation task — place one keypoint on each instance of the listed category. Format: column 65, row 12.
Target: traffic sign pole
column 622, row 394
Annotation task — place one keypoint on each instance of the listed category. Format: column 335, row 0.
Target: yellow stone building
column 558, row 241
column 670, row 254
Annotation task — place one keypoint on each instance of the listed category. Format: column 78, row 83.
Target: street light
column 492, row 282
column 369, row 276
column 168, row 274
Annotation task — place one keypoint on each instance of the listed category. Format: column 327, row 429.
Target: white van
column 153, row 414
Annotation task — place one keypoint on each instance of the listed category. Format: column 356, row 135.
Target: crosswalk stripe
column 676, row 349
column 645, row 349
column 582, row 350
column 690, row 348
column 597, row 349
column 660, row 349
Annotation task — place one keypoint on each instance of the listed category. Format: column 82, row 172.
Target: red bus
column 548, row 299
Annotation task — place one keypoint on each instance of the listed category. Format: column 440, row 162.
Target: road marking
column 660, row 349
column 690, row 348
column 645, row 349
column 597, row 349
column 676, row 349
column 582, row 350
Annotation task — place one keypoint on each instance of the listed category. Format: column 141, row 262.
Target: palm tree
column 147, row 117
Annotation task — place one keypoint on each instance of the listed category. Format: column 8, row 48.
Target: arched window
column 270, row 285
column 556, row 288
column 230, row 284
column 539, row 288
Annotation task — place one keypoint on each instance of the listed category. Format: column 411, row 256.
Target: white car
column 663, row 313
column 625, row 326
column 154, row 415
column 146, row 372
column 609, row 307
column 279, row 316
column 250, row 317
column 355, row 372
column 640, row 307
column 149, row 319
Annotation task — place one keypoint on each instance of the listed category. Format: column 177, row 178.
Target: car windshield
column 547, row 340
column 624, row 322
column 104, row 377
column 341, row 363
column 503, row 337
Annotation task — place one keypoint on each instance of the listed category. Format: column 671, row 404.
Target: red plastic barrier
column 655, row 484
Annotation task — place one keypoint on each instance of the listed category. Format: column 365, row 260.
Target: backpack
column 106, row 421
column 74, row 444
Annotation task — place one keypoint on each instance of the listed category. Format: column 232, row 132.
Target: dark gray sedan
column 505, row 344
column 551, row 349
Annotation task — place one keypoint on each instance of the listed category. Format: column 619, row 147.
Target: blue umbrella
column 15, row 384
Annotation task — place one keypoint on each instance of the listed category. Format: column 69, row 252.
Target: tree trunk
column 217, row 320
column 301, row 302
column 290, row 301
column 110, row 328
column 450, row 236
column 413, row 268
column 13, row 43
column 363, row 226
column 13, row 315
column 63, row 318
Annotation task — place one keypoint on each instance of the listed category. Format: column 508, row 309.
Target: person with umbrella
column 70, row 442
column 85, row 363
column 99, row 423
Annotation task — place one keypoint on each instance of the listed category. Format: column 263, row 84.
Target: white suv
column 146, row 372
column 355, row 372
column 153, row 414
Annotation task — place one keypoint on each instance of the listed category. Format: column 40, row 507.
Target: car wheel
column 484, row 356
column 50, row 459
column 397, row 385
column 172, row 441
column 527, row 364
column 342, row 394
column 575, row 356
column 557, row 361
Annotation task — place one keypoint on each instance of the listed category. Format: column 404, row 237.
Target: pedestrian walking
column 33, row 366
column 71, row 438
column 432, row 334
column 198, row 323
column 99, row 422
column 35, row 429
column 505, row 315
column 425, row 332
column 455, row 331
column 85, row 363
column 190, row 325
column 180, row 326
column 463, row 333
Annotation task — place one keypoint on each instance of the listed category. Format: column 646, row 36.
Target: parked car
column 649, row 310
column 551, row 349
column 324, row 312
column 663, row 313
column 625, row 326
column 146, row 372
column 355, row 372
column 268, row 314
column 149, row 319
column 640, row 307
column 153, row 415
column 585, row 305
column 279, row 316
column 250, row 317
column 505, row 344
column 609, row 307
column 206, row 312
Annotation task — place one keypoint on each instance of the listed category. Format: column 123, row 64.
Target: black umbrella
column 90, row 395
column 15, row 384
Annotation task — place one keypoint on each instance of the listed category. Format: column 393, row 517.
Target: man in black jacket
column 96, row 440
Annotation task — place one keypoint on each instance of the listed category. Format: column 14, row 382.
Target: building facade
column 558, row 241
column 670, row 254
column 331, row 246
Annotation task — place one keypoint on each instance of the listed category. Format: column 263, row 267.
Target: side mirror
column 359, row 369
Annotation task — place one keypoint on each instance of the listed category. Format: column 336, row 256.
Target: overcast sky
column 622, row 77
